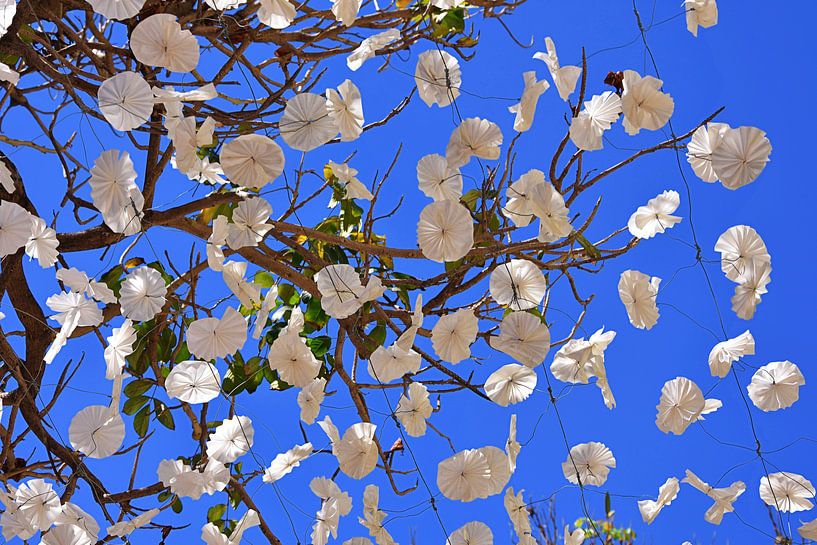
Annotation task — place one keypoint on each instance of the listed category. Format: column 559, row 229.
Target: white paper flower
column 741, row 156
column 285, row 462
column 370, row 46
column 373, row 518
column 465, row 476
column 776, row 386
column 248, row 293
column 15, row 227
column 787, row 492
column 213, row 536
column 751, row 287
column 127, row 527
column 723, row 497
column 438, row 77
column 666, row 493
column 645, row 105
column 251, row 160
column 548, row 205
column 210, row 338
column 291, row 357
column 232, row 439
column 445, row 231
column 143, row 294
column 345, row 107
column 310, row 399
column 518, row 284
column 356, row 451
column 96, row 431
column 42, row 243
column 159, row 41
column 413, row 410
column 598, row 115
column 193, row 382
column 682, row 402
column 700, row 13
column 474, row 137
column 741, row 248
column 117, row 9
column 520, row 194
column 66, row 535
column 345, row 11
column 306, row 123
column 727, row 352
column 126, row 100
column 438, row 180
column 249, row 224
column 327, row 489
column 524, row 337
column 390, row 363
column 656, row 216
column 564, row 77
column 38, row 503
column 808, row 530
column 510, row 384
column 74, row 515
column 277, row 14
column 347, row 177
column 699, row 150
column 589, row 463
column 453, row 335
column 638, row 292
column 472, row 533
column 342, row 293
column 525, row 110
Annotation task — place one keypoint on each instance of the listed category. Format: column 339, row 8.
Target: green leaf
column 164, row 415
column 177, row 506
column 141, row 421
column 470, row 199
column 216, row 512
column 137, row 387
column 588, row 246
column 288, row 295
column 607, row 506
column 320, row 345
column 264, row 279
column 134, row 404
column 378, row 334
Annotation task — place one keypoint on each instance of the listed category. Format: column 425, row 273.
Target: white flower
column 370, row 46
column 524, row 337
column 666, row 493
column 342, row 293
column 438, row 77
column 252, row 160
column 526, row 109
column 564, row 77
column 306, row 123
column 413, row 410
column 645, row 105
column 114, row 191
column 474, row 137
column 327, row 489
column 510, row 384
column 42, row 243
column 38, row 503
column 345, row 11
column 188, row 482
column 127, row 527
column 193, row 382
column 751, row 286
column 310, row 399
column 518, row 284
column 15, row 227
column 356, row 451
column 445, row 231
column 588, row 463
column 741, row 248
column 285, row 462
column 548, row 205
column 699, row 150
column 233, row 438
column 727, row 352
column 277, row 14
column 346, row 176
column 97, row 431
column 700, row 13
column 125, row 100
column 120, row 346
column 159, row 40
column 438, row 180
column 740, row 156
column 787, row 492
column 291, row 357
column 67, row 535
column 117, row 9
column 143, row 294
column 599, row 114
column 638, row 292
column 248, row 293
column 453, row 335
column 210, row 338
column 213, row 536
column 465, row 476
column 776, row 386
column 472, row 533
column 345, row 107
column 656, row 216
column 249, row 224
column 682, row 402
column 74, row 515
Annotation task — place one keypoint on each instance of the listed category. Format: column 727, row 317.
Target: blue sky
column 754, row 63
